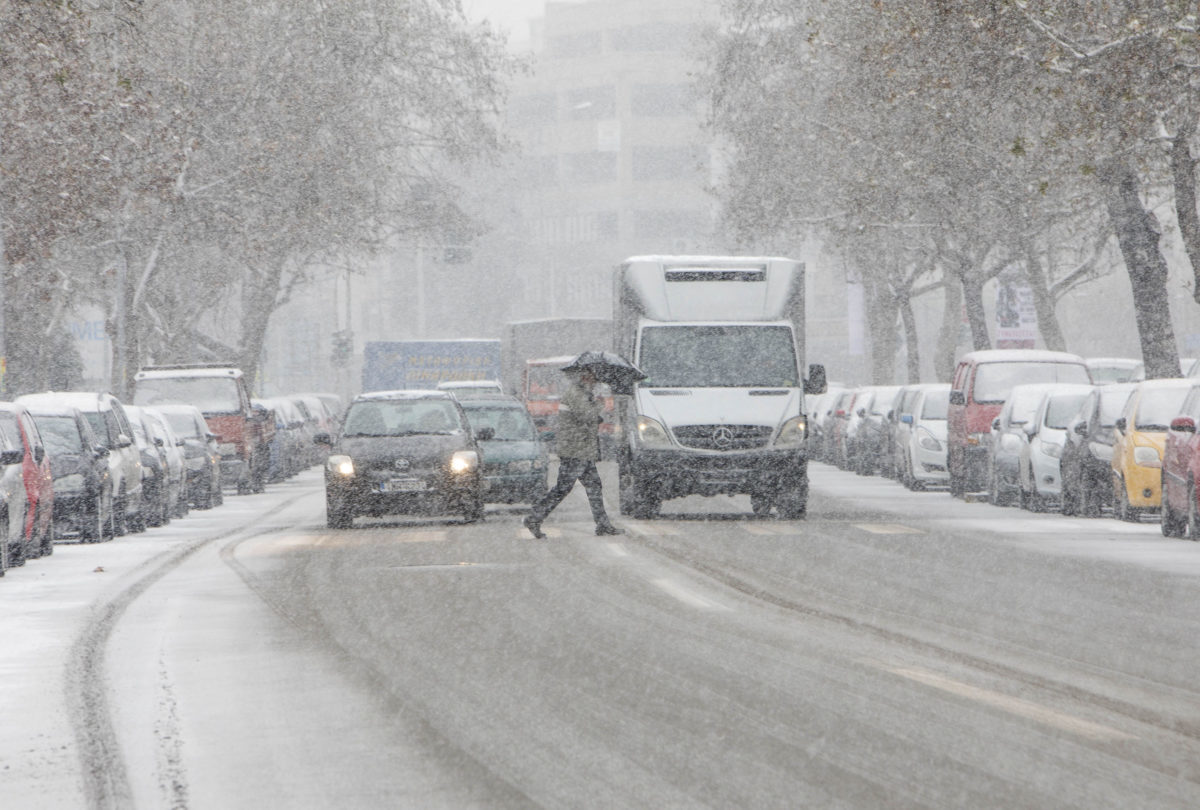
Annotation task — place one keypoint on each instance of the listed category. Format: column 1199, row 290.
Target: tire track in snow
column 102, row 768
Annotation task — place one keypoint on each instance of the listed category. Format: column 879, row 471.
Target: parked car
column 1139, row 438
column 471, row 388
column 1106, row 370
column 1040, row 478
column 1087, row 455
column 28, row 508
column 514, row 459
column 981, row 384
column 110, row 423
column 201, row 457
column 83, row 497
column 400, row 452
column 871, row 435
column 1010, row 433
column 173, row 454
column 856, row 414
column 221, row 394
column 920, row 435
column 1181, row 471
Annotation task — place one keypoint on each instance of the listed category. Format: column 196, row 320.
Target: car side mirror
column 212, row 437
column 159, row 442
column 485, row 434
column 1183, row 424
column 323, row 438
column 861, row 412
column 958, row 398
column 123, row 440
column 996, row 425
column 8, row 457
column 1080, row 429
column 1030, row 429
column 906, row 418
column 1121, row 424
column 179, row 442
column 39, row 454
column 100, row 451
column 816, row 383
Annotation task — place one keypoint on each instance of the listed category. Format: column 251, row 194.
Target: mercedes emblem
column 722, row 437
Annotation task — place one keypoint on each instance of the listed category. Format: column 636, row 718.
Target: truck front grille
column 723, row 437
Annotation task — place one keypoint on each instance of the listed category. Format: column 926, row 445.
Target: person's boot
column 606, row 529
column 535, row 527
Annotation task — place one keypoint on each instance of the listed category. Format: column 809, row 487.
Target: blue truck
column 390, row 365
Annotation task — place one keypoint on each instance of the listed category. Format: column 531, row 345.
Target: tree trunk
column 972, row 291
column 947, row 345
column 1183, row 173
column 881, row 320
column 913, row 352
column 1138, row 235
column 1043, row 303
column 260, row 294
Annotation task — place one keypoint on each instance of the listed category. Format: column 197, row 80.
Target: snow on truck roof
column 161, row 372
column 712, row 288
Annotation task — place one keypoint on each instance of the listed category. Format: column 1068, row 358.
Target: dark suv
column 402, row 452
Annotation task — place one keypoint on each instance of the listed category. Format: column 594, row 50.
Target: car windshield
column 1024, row 406
column 510, row 424
column 10, row 433
column 1061, row 409
column 61, row 434
column 936, row 405
column 1111, row 405
column 402, row 418
column 209, row 394
column 183, row 424
column 718, row 356
column 1158, row 406
column 1112, row 374
column 995, row 381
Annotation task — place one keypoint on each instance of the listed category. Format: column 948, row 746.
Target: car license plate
column 403, row 485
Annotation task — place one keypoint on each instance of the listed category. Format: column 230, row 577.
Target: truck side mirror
column 1080, row 428
column 485, row 434
column 815, row 384
column 1121, row 424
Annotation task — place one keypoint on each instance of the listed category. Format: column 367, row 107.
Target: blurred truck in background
column 391, row 365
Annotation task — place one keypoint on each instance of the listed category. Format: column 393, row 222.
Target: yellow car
column 1138, row 440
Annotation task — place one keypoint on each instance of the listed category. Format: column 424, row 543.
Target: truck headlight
column 1146, row 457
column 341, row 465
column 651, row 433
column 464, row 461
column 793, row 432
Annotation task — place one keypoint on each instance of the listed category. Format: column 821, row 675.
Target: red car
column 1181, row 471
column 28, row 508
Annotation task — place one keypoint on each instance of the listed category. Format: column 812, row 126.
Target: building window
column 541, row 108
column 662, row 100
column 592, row 103
column 677, row 224
column 657, row 37
column 665, row 163
column 590, row 167
column 566, row 46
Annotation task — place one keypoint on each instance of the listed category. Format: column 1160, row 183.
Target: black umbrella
column 611, row 369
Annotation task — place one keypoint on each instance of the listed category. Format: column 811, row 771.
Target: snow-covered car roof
column 408, row 393
column 1019, row 356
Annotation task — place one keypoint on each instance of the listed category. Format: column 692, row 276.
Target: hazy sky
column 511, row 16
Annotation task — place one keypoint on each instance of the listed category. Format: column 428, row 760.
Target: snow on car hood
column 674, row 407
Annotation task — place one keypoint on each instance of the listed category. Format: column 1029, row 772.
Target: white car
column 1039, row 474
column 921, row 437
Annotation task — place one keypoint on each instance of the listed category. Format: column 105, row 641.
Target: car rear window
column 936, row 405
column 1158, row 406
column 1062, row 409
column 995, row 381
column 510, row 424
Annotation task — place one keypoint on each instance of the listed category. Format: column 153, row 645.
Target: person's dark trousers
column 571, row 470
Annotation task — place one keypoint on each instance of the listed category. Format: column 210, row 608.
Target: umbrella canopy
column 611, row 369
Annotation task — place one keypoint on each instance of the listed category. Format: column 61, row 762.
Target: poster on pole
column 1016, row 316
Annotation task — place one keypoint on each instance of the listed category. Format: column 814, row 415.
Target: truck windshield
column 728, row 356
column 209, row 394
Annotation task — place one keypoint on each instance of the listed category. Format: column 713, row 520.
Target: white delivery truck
column 721, row 340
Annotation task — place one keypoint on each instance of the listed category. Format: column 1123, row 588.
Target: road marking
column 618, row 550
column 771, row 529
column 1012, row 705
column 683, row 594
column 551, row 532
column 654, row 529
column 887, row 528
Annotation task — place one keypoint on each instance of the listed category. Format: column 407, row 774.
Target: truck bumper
column 678, row 473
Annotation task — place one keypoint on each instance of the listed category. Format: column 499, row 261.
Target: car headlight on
column 651, row 433
column 69, row 484
column 341, row 465
column 1052, row 450
column 1146, row 457
column 464, row 461
column 793, row 432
